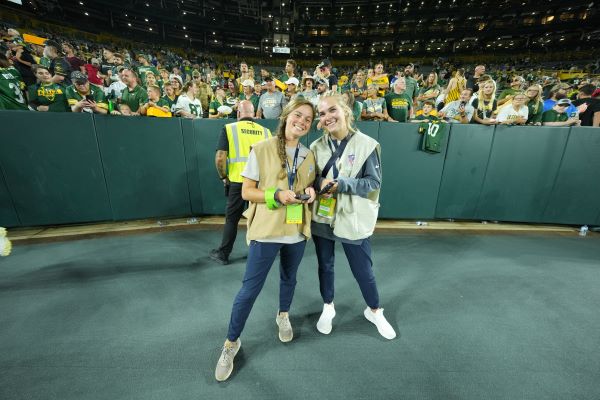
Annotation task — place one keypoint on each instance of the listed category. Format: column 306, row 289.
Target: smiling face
column 488, row 88
column 519, row 100
column 43, row 75
column 299, row 121
column 332, row 117
column 379, row 69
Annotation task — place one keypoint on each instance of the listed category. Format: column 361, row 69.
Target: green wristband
column 270, row 199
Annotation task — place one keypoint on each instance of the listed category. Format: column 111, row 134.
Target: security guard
column 232, row 153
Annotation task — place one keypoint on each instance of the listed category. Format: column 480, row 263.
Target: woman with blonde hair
column 515, row 112
column 535, row 104
column 278, row 180
column 349, row 178
column 457, row 84
column 485, row 104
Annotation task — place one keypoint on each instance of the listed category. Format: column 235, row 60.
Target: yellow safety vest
column 241, row 136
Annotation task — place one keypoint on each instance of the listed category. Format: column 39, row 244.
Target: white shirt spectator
column 190, row 106
column 509, row 113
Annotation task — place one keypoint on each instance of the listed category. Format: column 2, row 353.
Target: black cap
column 78, row 77
column 268, row 78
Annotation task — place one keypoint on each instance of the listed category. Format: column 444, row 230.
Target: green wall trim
column 76, row 168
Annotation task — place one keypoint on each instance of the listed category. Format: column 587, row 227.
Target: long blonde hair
column 537, row 99
column 346, row 110
column 298, row 101
column 480, row 96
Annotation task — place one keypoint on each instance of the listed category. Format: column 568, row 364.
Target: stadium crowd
column 57, row 75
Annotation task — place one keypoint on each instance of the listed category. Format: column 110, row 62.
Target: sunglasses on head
column 562, row 105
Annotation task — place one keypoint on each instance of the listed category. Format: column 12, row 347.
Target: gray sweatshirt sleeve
column 367, row 180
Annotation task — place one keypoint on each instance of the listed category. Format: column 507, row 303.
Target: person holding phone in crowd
column 278, row 182
column 349, row 178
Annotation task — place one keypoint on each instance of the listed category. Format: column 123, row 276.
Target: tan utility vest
column 264, row 223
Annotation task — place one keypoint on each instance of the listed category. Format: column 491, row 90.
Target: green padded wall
column 411, row 177
column 206, row 135
column 52, row 168
column 371, row 128
column 8, row 214
column 464, row 171
column 522, row 169
column 576, row 194
column 144, row 165
column 192, row 163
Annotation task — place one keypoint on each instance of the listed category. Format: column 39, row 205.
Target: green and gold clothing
column 96, row 93
column 143, row 69
column 214, row 105
column 253, row 99
column 398, row 106
column 170, row 101
column 52, row 95
column 379, row 81
column 535, row 112
column 554, row 116
column 11, row 90
column 134, row 98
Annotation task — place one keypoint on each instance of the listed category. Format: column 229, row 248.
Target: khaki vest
column 241, row 136
column 355, row 217
column 264, row 223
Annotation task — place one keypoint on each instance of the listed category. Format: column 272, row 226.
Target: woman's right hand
column 286, row 197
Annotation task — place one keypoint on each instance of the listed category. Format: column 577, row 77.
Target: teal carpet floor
column 144, row 317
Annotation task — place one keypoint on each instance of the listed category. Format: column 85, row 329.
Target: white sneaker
column 5, row 244
column 286, row 333
column 384, row 327
column 225, row 363
column 324, row 323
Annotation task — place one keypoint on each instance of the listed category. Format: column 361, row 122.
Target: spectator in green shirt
column 248, row 93
column 82, row 96
column 557, row 115
column 154, row 101
column 133, row 95
column 217, row 102
column 399, row 103
column 145, row 67
column 46, row 95
column 516, row 85
column 534, row 104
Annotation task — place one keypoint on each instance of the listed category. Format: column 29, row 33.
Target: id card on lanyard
column 326, row 207
column 293, row 212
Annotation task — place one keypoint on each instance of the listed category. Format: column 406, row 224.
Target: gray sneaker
column 286, row 334
column 225, row 363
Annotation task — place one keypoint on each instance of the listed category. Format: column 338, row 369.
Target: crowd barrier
column 76, row 168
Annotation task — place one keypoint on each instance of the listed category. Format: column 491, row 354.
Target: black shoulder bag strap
column 338, row 152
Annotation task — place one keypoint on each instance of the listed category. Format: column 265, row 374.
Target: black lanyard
column 292, row 173
column 336, row 154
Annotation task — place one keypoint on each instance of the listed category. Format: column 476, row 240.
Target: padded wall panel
column 52, row 168
column 464, row 171
column 521, row 172
column 575, row 198
column 411, row 177
column 144, row 165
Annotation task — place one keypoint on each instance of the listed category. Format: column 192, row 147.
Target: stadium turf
column 144, row 316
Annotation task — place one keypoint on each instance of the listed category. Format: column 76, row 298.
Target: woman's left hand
column 313, row 195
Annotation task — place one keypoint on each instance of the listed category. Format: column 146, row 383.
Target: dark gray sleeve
column 367, row 180
column 223, row 143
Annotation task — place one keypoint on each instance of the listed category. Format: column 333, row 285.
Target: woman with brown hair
column 277, row 181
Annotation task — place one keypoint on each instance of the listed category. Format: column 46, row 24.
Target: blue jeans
column 260, row 259
column 359, row 258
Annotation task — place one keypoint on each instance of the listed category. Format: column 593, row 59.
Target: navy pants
column 359, row 258
column 260, row 259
